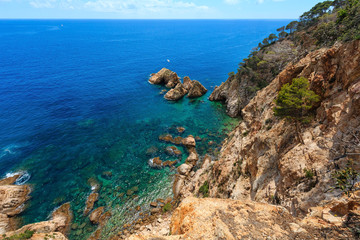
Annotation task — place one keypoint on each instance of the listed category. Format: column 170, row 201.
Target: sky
column 155, row 9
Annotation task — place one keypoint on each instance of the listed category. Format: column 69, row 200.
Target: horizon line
column 225, row 19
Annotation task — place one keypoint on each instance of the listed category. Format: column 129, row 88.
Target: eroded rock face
column 58, row 225
column 237, row 91
column 262, row 160
column 176, row 93
column 90, row 201
column 12, row 199
column 187, row 83
column 196, row 90
column 211, row 218
column 165, row 76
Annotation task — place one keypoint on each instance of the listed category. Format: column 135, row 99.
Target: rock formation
column 57, row 227
column 165, row 76
column 12, row 199
column 239, row 89
column 196, row 90
column 176, row 93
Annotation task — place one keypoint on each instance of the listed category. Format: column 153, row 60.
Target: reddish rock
column 93, row 197
column 177, row 141
column 173, row 151
column 189, row 141
column 169, row 163
column 180, row 129
column 95, row 215
column 155, row 162
column 166, row 138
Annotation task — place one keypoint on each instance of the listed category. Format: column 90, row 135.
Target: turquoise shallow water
column 75, row 103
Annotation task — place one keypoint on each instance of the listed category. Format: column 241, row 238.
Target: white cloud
column 132, row 5
column 231, row 2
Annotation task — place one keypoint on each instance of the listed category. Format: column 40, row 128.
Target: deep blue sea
column 75, row 103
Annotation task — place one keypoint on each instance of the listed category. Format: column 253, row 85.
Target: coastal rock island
column 178, row 90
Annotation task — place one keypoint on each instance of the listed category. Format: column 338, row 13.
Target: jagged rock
column 237, row 91
column 90, row 201
column 58, row 226
column 176, row 93
column 196, row 90
column 208, row 218
column 155, row 162
column 264, row 164
column 189, row 141
column 169, row 163
column 184, row 169
column 192, row 158
column 173, row 151
column 187, row 83
column 169, row 78
column 12, row 199
column 180, row 129
column 95, row 215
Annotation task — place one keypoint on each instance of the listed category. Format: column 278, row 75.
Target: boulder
column 189, row 141
column 169, row 163
column 192, row 158
column 180, row 129
column 196, row 90
column 165, row 76
column 166, row 138
column 176, row 93
column 95, row 215
column 184, row 169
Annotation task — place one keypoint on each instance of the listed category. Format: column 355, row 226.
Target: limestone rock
column 187, row 83
column 90, row 201
column 176, row 93
column 184, row 169
column 95, row 215
column 173, row 151
column 189, row 141
column 155, row 162
column 196, row 90
column 165, row 76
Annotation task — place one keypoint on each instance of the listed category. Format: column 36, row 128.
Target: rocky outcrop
column 166, row 77
column 187, row 83
column 58, row 226
column 234, row 219
column 176, row 93
column 196, row 89
column 12, row 200
column 90, row 201
column 261, row 160
column 237, row 91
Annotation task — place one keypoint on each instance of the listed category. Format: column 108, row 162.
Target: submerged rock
column 165, row 76
column 196, row 90
column 152, row 150
column 155, row 162
column 95, row 215
column 93, row 197
column 176, row 93
column 180, row 129
column 173, row 151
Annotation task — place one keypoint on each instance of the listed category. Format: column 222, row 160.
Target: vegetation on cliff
column 323, row 25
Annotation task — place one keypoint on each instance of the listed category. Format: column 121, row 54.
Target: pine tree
column 295, row 101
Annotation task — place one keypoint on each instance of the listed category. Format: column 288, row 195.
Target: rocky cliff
column 265, row 179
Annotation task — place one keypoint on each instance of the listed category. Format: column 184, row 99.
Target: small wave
column 24, row 177
column 11, row 149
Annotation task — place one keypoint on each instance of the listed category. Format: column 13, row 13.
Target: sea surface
column 76, row 106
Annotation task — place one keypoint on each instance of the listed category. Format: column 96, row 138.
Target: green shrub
column 204, row 189
column 21, row 236
column 346, row 178
column 167, row 207
column 309, row 173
